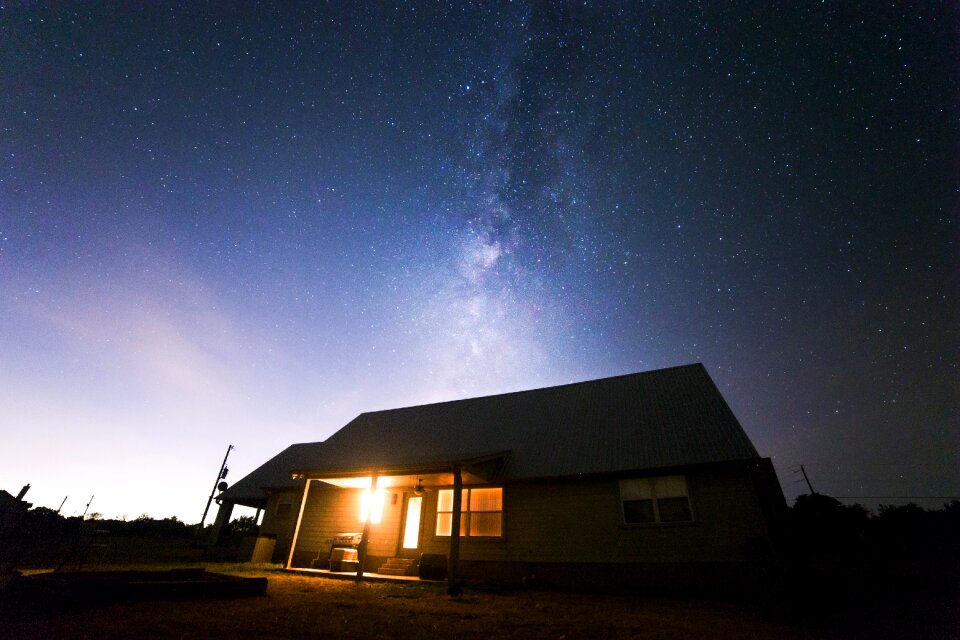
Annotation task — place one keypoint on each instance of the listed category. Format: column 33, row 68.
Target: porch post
column 454, row 561
column 362, row 547
column 296, row 530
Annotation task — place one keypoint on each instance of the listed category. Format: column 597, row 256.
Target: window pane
column 445, row 503
column 674, row 510
column 486, row 524
column 670, row 486
column 636, row 489
column 444, row 520
column 486, row 500
column 445, row 500
column 637, row 511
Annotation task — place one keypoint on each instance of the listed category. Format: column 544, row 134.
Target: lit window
column 652, row 500
column 481, row 512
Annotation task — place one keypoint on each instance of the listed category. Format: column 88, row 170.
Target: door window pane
column 411, row 526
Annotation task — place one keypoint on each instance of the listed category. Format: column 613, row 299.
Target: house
column 644, row 480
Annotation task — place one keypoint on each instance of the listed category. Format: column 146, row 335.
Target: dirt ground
column 320, row 607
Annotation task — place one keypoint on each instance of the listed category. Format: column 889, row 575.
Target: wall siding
column 559, row 530
column 557, row 522
column 331, row 510
column 281, row 527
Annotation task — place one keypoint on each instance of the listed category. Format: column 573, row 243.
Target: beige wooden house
column 642, row 480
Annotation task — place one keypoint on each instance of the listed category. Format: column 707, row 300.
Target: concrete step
column 406, row 561
column 397, row 567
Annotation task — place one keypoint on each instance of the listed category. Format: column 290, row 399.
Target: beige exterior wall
column 331, row 510
column 559, row 522
column 281, row 525
column 582, row 522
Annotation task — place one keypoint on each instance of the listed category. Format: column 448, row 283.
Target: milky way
column 246, row 225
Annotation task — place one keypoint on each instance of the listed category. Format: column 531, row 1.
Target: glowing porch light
column 371, row 505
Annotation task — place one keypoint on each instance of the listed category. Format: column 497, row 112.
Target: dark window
column 636, row 511
column 674, row 509
column 658, row 499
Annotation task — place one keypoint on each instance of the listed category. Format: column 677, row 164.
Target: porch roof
column 482, row 465
column 251, row 490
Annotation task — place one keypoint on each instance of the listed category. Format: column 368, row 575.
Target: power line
column 806, row 479
column 897, row 497
column 892, row 497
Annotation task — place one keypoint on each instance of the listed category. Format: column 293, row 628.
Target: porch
column 378, row 523
column 370, row 576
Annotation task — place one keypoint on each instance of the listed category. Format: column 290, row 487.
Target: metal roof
column 272, row 474
column 658, row 419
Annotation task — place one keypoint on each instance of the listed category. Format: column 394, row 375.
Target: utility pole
column 220, row 475
column 809, row 486
column 87, row 508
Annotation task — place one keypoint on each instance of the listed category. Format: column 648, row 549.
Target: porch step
column 398, row 567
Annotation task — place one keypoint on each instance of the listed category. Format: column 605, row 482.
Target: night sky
column 247, row 224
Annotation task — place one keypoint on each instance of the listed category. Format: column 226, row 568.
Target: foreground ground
column 314, row 607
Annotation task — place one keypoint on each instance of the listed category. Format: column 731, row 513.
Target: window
column 481, row 512
column 652, row 500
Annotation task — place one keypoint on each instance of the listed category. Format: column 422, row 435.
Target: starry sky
column 232, row 223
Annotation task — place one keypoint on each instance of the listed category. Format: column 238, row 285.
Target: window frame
column 465, row 515
column 655, row 500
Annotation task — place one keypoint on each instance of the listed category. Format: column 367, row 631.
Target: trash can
column 263, row 548
column 433, row 566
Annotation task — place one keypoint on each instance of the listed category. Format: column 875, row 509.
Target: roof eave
column 387, row 468
column 732, row 463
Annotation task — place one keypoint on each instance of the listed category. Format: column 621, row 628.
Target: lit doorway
column 410, row 540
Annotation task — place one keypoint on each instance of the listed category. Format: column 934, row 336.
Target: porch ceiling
column 401, row 481
column 474, row 470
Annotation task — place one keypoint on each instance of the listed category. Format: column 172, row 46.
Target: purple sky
column 247, row 225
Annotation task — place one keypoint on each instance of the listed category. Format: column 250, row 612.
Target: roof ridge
column 690, row 365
